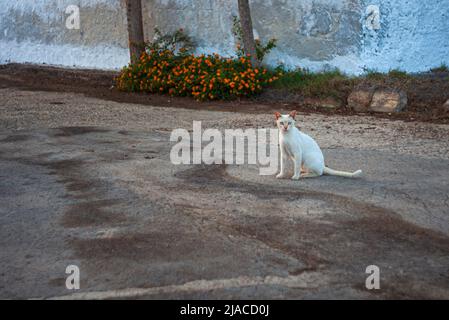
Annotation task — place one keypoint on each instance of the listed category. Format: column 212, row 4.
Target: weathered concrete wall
column 411, row 35
column 310, row 33
column 35, row 31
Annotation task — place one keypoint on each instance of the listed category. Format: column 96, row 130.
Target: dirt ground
column 87, row 180
column 426, row 93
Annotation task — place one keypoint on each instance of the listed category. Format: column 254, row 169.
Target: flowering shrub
column 204, row 77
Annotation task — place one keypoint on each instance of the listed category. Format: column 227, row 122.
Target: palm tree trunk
column 249, row 45
column 135, row 29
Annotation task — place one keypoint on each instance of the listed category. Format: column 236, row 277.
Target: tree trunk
column 249, row 46
column 135, row 29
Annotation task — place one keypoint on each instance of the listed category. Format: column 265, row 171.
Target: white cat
column 303, row 151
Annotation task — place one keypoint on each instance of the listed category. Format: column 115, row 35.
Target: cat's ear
column 277, row 115
column 293, row 114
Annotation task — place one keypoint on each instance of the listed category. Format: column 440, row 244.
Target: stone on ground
column 371, row 98
column 360, row 98
column 388, row 100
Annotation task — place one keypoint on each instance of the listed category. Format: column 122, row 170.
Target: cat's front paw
column 281, row 176
column 296, row 177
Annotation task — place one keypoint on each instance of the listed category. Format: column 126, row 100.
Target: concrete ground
column 89, row 182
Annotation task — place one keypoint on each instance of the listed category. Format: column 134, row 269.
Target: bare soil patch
column 426, row 93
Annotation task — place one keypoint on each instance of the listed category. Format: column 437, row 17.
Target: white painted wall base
column 99, row 57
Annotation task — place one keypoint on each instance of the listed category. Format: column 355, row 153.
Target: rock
column 363, row 99
column 388, row 100
column 446, row 106
column 329, row 103
column 328, row 106
column 325, row 103
column 360, row 99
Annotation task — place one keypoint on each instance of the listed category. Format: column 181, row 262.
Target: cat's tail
column 332, row 172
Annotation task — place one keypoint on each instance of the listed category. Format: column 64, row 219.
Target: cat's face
column 285, row 121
